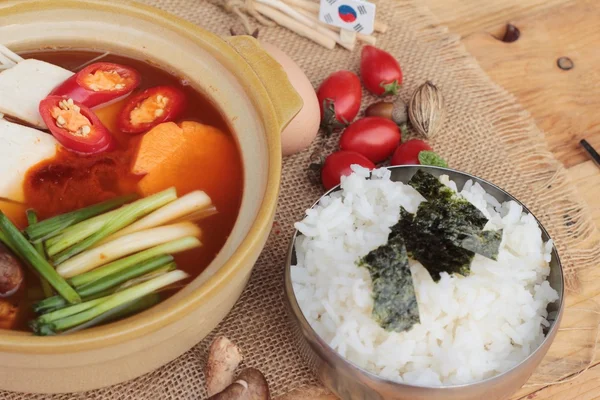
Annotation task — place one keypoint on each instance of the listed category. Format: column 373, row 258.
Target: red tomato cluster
column 369, row 140
column 67, row 111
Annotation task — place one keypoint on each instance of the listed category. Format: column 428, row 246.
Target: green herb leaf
column 427, row 157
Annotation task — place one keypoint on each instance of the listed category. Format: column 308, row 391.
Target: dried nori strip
column 430, row 242
column 443, row 235
column 430, row 187
column 486, row 243
column 395, row 305
column 446, row 231
column 433, row 190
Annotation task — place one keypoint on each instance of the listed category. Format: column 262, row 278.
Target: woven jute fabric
column 486, row 133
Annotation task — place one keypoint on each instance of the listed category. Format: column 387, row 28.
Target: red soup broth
column 71, row 181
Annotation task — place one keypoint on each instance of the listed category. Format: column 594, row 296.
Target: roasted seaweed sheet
column 444, row 198
column 443, row 235
column 446, row 231
column 395, row 305
column 486, row 243
column 429, row 242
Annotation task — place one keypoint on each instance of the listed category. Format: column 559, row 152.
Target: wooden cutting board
column 566, row 106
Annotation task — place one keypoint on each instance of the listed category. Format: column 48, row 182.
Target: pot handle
column 286, row 101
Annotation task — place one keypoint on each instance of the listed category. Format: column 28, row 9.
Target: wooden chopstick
column 591, row 151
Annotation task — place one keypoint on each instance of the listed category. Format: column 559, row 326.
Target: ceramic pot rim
column 146, row 323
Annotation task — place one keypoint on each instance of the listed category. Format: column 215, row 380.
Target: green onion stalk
column 119, row 312
column 27, row 252
column 32, row 219
column 122, row 218
column 108, row 282
column 146, row 277
column 172, row 247
column 4, row 239
column 78, row 232
column 40, row 231
column 70, row 317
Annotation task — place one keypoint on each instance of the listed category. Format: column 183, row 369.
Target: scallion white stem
column 126, row 245
column 192, row 202
column 124, row 216
column 173, row 247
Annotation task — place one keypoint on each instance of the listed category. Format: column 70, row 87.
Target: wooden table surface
column 566, row 106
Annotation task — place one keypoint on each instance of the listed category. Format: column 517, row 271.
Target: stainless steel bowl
column 350, row 382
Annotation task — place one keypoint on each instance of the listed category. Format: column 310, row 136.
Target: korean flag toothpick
column 327, row 23
column 352, row 15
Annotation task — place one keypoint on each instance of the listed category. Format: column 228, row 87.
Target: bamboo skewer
column 301, row 17
column 348, row 37
column 293, row 25
column 304, row 5
column 285, row 8
column 311, row 23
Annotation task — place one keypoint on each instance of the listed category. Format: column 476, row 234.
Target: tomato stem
column 330, row 123
column 391, row 89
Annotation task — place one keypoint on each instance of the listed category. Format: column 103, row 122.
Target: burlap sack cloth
column 486, row 133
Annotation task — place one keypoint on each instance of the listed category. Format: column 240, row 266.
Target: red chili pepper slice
column 75, row 126
column 151, row 107
column 99, row 83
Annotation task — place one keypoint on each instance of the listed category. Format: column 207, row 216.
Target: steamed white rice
column 471, row 327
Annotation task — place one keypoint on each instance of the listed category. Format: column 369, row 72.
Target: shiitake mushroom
column 11, row 272
column 250, row 385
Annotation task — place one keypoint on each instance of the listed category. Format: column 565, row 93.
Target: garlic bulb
column 426, row 110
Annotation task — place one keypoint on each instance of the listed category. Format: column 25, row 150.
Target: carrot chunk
column 156, row 146
column 208, row 161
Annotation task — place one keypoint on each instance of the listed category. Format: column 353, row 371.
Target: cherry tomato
column 339, row 99
column 408, row 152
column 380, row 71
column 338, row 164
column 374, row 137
column 75, row 126
column 99, row 83
column 151, row 107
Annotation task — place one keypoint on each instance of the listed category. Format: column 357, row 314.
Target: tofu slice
column 23, row 86
column 21, row 148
